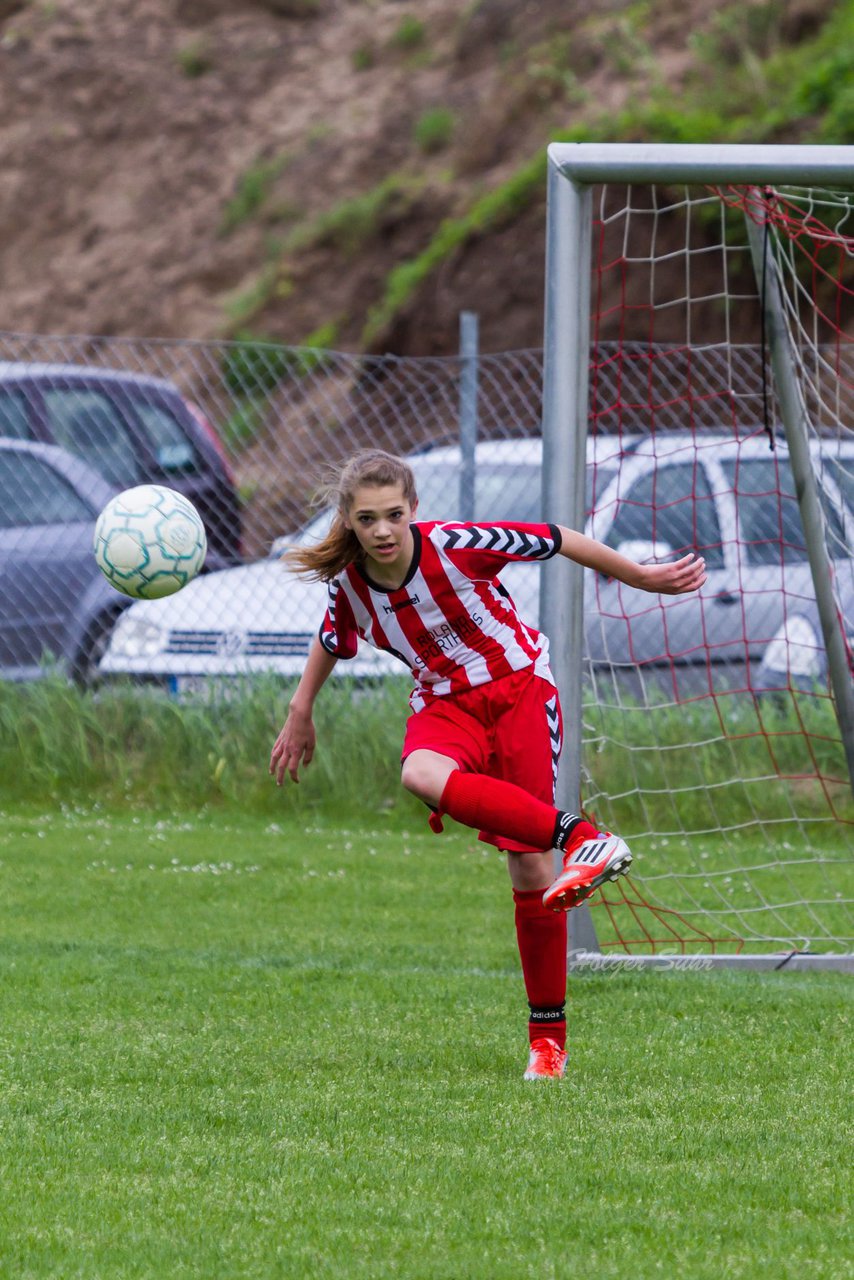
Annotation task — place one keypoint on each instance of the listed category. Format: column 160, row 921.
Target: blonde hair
column 326, row 559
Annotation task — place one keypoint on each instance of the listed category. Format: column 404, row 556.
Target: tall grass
column 697, row 766
column 136, row 746
column 718, row 762
column 734, row 848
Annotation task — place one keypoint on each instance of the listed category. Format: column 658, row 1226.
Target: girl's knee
column 416, row 778
column 531, row 871
column 425, row 775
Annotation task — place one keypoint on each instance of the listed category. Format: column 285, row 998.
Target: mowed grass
column 237, row 1047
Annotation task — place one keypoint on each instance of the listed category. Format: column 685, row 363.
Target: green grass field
column 236, row 1046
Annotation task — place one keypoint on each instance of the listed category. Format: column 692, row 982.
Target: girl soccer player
column 483, row 739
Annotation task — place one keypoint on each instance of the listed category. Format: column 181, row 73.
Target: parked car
column 507, row 482
column 795, row 657
column 261, row 617
column 55, row 604
column 651, row 498
column 132, row 429
column 734, row 502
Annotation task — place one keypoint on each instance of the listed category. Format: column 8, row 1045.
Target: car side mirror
column 175, row 457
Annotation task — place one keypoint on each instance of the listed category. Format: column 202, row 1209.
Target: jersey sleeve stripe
column 512, row 541
column 337, row 631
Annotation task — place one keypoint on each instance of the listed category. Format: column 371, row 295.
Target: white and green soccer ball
column 150, row 541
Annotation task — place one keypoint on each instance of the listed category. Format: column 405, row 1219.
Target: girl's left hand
column 673, row 579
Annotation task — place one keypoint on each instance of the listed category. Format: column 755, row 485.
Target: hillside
column 199, row 168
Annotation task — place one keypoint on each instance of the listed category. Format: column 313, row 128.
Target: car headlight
column 137, row 638
column 795, row 648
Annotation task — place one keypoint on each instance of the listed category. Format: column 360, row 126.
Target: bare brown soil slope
column 165, row 163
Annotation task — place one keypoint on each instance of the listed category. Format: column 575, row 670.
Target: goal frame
column 573, row 170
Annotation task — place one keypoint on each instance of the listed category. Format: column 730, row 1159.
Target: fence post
column 469, row 349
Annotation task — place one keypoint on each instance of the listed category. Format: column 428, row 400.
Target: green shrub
column 364, row 57
column 252, row 365
column 827, row 91
column 434, row 129
column 194, row 58
column 738, row 33
column 252, row 191
column 243, row 424
column 494, row 209
column 410, row 33
column 314, row 348
column 355, row 219
column 242, row 306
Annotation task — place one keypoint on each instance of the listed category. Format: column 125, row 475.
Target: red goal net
column 710, row 739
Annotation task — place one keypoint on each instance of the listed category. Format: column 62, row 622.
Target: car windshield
column 503, row 491
column 167, row 438
column 32, row 493
column 768, row 514
column 86, row 422
column 842, row 470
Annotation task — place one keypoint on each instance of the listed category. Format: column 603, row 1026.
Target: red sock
column 541, row 934
column 488, row 804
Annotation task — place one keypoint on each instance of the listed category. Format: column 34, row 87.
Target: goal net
column 712, row 730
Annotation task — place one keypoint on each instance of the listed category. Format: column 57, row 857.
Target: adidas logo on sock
column 563, row 829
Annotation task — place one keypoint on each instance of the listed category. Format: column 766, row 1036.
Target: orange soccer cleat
column 547, row 1060
column 586, row 867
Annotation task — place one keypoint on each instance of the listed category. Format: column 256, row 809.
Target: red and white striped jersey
column 451, row 621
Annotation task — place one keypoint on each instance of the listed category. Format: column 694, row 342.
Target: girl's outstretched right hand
column 294, row 745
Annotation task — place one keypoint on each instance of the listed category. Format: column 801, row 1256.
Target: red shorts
column 511, row 729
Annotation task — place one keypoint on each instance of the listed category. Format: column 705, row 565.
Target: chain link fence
column 247, row 430
column 676, row 737
column 281, row 414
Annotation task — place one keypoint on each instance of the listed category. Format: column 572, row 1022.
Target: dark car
column 131, row 428
column 55, row 604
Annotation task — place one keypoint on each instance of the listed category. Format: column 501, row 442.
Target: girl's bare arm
column 296, row 741
column 672, row 579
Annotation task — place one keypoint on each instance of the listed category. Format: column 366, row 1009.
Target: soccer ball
column 150, row 541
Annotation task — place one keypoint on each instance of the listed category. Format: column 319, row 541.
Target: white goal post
column 767, row 927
